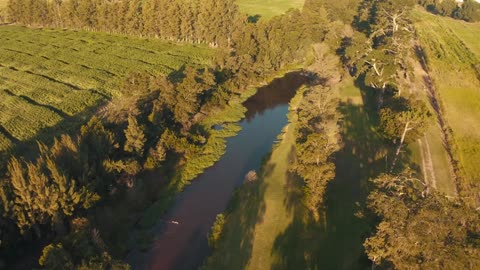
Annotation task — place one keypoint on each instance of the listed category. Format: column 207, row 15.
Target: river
column 181, row 237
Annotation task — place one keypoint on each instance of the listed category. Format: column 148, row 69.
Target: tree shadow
column 254, row 18
column 246, row 209
column 336, row 241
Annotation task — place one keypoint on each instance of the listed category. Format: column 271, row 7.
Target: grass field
column 3, row 10
column 268, row 8
column 453, row 57
column 51, row 76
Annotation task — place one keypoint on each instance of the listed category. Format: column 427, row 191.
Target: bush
column 251, row 177
column 216, row 232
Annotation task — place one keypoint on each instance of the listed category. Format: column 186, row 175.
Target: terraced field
column 49, row 77
column 452, row 50
column 268, row 8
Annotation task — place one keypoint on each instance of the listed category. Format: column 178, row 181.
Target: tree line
column 317, row 129
column 417, row 227
column 205, row 21
column 155, row 119
column 155, row 122
column 248, row 49
column 468, row 11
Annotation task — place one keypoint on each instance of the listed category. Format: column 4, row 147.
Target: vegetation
column 50, row 78
column 380, row 55
column 416, row 231
column 151, row 121
column 343, row 174
column 452, row 63
column 268, row 9
column 468, row 10
column 262, row 199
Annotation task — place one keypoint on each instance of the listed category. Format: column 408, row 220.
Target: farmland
column 3, row 10
column 268, row 8
column 453, row 59
column 49, row 77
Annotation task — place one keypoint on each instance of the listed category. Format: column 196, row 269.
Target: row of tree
column 468, row 10
column 317, row 131
column 153, row 120
column 249, row 47
column 206, row 21
column 378, row 54
column 418, row 228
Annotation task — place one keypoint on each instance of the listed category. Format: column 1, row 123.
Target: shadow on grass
column 245, row 211
column 335, row 242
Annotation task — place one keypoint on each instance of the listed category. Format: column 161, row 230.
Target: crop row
column 47, row 75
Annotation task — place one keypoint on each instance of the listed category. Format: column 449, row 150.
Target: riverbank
column 268, row 227
column 246, row 241
column 224, row 125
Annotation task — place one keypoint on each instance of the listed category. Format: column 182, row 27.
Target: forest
column 187, row 67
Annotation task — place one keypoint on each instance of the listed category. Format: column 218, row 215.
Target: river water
column 181, row 237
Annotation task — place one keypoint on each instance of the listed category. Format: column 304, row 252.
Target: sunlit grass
column 268, row 8
column 453, row 55
column 47, row 76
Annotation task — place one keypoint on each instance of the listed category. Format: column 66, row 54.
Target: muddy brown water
column 181, row 236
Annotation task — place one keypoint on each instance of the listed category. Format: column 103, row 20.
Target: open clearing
column 453, row 58
column 49, row 77
column 268, row 8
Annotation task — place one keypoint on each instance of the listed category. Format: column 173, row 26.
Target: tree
column 317, row 141
column 135, row 137
column 39, row 193
column 446, row 7
column 420, row 228
column 216, row 232
column 404, row 120
column 55, row 257
column 470, row 11
column 379, row 52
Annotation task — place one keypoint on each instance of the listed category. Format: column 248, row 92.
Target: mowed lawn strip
column 452, row 66
column 48, row 75
column 268, row 8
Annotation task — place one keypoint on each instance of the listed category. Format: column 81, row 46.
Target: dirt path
column 427, row 162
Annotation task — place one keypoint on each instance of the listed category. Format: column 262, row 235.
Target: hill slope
column 452, row 51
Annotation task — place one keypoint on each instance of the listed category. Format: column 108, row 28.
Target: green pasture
column 48, row 77
column 452, row 50
column 268, row 8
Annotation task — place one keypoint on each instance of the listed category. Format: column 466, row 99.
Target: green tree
column 420, row 228
column 470, row 11
column 216, row 231
column 135, row 137
column 55, row 257
column 404, row 120
column 39, row 193
column 446, row 7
